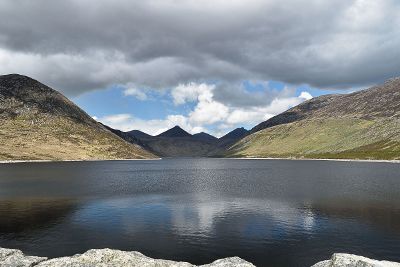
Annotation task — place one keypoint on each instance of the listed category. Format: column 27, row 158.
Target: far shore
column 245, row 158
column 68, row 160
column 314, row 159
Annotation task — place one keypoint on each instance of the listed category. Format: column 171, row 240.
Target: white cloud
column 305, row 95
column 256, row 115
column 133, row 91
column 128, row 122
column 198, row 129
column 189, row 92
column 208, row 112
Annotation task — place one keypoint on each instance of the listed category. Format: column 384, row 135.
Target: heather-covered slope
column 38, row 123
column 361, row 125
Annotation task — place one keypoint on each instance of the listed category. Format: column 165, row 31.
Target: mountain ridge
column 360, row 125
column 176, row 142
column 175, row 131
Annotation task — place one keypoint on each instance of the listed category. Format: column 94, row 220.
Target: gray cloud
column 235, row 95
column 78, row 46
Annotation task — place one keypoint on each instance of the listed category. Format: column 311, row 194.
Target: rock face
column 105, row 258
column 349, row 260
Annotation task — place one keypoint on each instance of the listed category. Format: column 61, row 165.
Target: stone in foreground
column 349, row 260
column 117, row 258
column 105, row 258
column 15, row 258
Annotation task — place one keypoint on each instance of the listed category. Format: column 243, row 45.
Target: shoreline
column 241, row 158
column 314, row 159
column 12, row 161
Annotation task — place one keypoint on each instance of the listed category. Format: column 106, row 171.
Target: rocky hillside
column 39, row 123
column 360, row 125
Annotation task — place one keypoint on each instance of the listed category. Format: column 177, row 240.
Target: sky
column 205, row 65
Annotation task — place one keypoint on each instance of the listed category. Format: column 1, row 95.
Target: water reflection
column 386, row 216
column 31, row 214
column 272, row 213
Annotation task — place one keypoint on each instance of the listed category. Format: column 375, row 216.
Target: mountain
column 39, row 123
column 176, row 142
column 232, row 137
column 205, row 137
column 360, row 125
column 139, row 134
column 127, row 136
column 175, row 132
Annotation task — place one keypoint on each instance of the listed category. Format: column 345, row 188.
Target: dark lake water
column 269, row 212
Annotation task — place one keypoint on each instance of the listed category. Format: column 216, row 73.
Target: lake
column 269, row 212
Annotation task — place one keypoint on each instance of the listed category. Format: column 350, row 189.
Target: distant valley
column 176, row 142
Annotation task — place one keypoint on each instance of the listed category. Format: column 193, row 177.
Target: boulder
column 105, row 258
column 349, row 260
column 15, row 258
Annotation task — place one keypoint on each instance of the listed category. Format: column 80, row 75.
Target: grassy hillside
column 38, row 123
column 362, row 125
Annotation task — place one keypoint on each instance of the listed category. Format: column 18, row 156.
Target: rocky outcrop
column 15, row 258
column 117, row 258
column 104, row 258
column 349, row 260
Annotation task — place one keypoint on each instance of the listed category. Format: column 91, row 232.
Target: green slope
column 362, row 125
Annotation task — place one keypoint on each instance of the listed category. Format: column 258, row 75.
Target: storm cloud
column 82, row 45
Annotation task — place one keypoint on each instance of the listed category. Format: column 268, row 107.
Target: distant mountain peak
column 23, row 95
column 17, row 84
column 235, row 134
column 203, row 136
column 139, row 134
column 175, row 131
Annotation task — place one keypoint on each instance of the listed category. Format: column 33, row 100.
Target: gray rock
column 349, row 260
column 117, row 258
column 105, row 258
column 15, row 258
